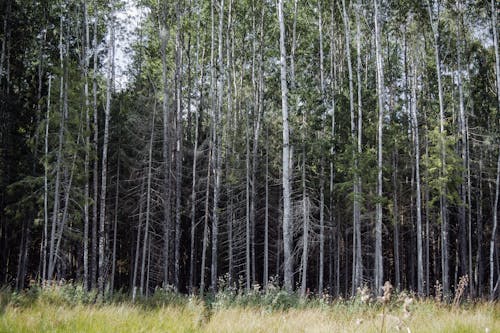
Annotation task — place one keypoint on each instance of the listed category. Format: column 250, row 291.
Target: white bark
column 287, row 219
column 414, row 122
column 379, row 271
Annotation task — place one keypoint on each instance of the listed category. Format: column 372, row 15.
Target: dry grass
column 425, row 316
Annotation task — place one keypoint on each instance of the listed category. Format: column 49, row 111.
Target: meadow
column 69, row 309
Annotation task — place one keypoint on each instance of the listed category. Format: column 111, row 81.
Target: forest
column 318, row 146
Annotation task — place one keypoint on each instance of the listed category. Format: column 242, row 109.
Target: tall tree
column 287, row 223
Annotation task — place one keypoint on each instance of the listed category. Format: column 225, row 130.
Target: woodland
column 321, row 146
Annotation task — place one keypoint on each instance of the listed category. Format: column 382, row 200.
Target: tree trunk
column 55, row 212
column 493, row 285
column 287, row 219
column 294, row 44
column 416, row 143
column 178, row 155
column 495, row 211
column 357, row 265
column 104, row 175
column 199, row 69
column 115, row 222
column 86, row 55
column 205, row 223
column 138, row 242
column 93, row 269
column 322, row 163
column 46, row 185
column 379, row 270
column 164, row 33
column 442, row 196
column 462, row 151
column 148, row 201
column 217, row 152
column 397, row 269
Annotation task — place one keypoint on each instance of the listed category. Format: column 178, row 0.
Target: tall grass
column 67, row 308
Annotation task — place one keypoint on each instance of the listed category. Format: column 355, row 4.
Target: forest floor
column 51, row 314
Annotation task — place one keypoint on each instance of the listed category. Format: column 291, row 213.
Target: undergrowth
column 68, row 307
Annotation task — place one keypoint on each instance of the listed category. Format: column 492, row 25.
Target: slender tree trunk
column 322, row 163
column 256, row 134
column 287, row 220
column 462, row 147
column 357, row 265
column 199, row 69
column 358, row 193
column 494, row 24
column 164, row 35
column 379, row 270
column 305, row 238
column 416, row 142
column 497, row 184
column 115, row 222
column 305, row 209
column 397, row 269
column 138, row 242
column 217, row 151
column 479, row 255
column 335, row 232
column 178, row 155
column 104, row 175
column 86, row 194
column 294, row 44
column 205, row 223
column 93, row 270
column 442, row 196
column 46, row 185
column 493, row 285
column 55, row 212
column 266, row 217
column 148, row 201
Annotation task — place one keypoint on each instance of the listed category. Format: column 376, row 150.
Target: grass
column 54, row 310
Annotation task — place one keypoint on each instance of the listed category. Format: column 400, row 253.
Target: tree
column 287, row 223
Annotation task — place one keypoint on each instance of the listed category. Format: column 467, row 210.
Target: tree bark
column 148, row 203
column 104, row 175
column 287, row 220
column 379, row 269
column 442, row 196
column 164, row 35
column 416, row 142
column 95, row 205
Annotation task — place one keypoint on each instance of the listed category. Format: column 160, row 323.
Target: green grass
column 60, row 310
